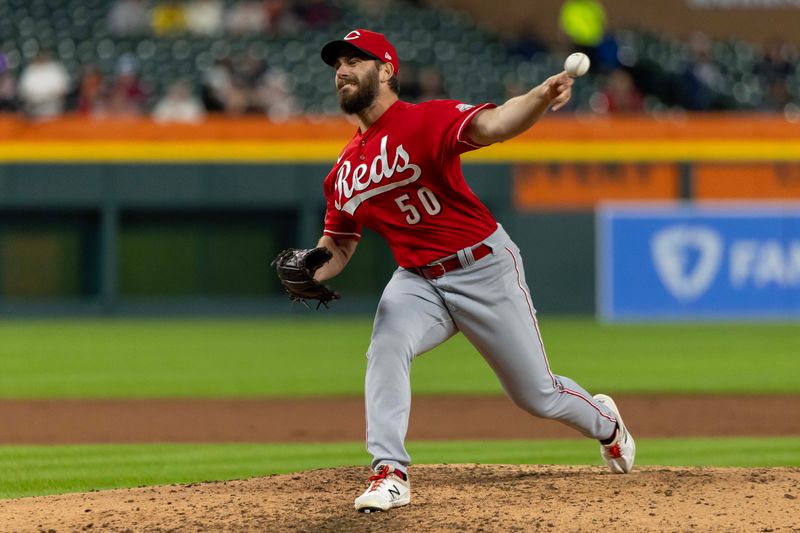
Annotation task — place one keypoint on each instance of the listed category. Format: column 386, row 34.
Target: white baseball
column 577, row 64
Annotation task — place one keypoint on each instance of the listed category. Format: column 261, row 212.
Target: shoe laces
column 379, row 477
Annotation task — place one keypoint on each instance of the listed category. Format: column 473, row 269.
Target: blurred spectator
column 775, row 69
column 275, row 98
column 246, row 18
column 713, row 75
column 280, row 19
column 418, row 84
column 128, row 17
column 523, row 43
column 8, row 91
column 619, row 95
column 373, row 8
column 204, row 17
column 89, row 90
column 217, row 82
column 8, row 86
column 168, row 18
column 222, row 91
column 700, row 76
column 778, row 96
column 408, row 81
column 249, row 70
column 43, row 87
column 430, row 83
column 704, row 67
column 179, row 105
column 237, row 100
column 605, row 56
column 778, row 60
column 317, row 14
column 126, row 96
column 249, row 77
column 251, row 87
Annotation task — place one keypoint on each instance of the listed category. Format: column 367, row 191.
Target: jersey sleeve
column 338, row 224
column 447, row 121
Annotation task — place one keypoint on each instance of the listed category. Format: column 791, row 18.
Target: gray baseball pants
column 489, row 302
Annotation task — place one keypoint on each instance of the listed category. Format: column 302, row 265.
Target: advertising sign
column 701, row 261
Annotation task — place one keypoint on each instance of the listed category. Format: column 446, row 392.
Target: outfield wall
column 130, row 217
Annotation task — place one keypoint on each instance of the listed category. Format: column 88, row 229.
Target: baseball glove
column 296, row 270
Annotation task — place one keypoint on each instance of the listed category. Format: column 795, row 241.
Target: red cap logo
column 369, row 43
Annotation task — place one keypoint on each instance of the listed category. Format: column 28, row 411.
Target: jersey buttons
column 361, row 157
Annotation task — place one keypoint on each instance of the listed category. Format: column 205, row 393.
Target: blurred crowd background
column 183, row 60
column 104, row 211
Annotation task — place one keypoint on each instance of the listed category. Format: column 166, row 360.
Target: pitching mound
column 454, row 498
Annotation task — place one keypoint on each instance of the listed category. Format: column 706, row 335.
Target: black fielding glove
column 296, row 268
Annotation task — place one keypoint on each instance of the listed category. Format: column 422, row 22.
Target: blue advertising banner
column 698, row 261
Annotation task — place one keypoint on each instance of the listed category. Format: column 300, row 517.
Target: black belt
column 439, row 269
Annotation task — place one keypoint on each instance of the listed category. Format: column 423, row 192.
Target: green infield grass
column 282, row 357
column 39, row 470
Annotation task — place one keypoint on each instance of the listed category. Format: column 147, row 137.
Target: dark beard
column 363, row 97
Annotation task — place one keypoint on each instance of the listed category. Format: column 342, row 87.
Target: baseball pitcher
column 459, row 270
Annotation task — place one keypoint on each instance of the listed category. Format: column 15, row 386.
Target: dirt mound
column 445, row 498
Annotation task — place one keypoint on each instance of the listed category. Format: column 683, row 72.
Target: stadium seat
column 77, row 31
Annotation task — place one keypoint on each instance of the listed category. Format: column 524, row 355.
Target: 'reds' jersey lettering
column 402, row 178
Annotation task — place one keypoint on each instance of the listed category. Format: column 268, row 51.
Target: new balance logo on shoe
column 388, row 488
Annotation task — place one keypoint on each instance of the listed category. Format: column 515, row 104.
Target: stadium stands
column 475, row 65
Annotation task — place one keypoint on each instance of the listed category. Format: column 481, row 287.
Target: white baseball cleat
column 388, row 488
column 618, row 455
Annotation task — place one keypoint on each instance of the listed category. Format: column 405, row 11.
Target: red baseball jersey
column 402, row 178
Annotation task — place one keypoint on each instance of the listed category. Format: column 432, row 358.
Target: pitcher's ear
column 387, row 72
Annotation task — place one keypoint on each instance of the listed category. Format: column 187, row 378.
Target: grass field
column 303, row 357
column 38, row 470
column 160, row 358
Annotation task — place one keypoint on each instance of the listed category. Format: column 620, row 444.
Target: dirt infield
column 342, row 419
column 444, row 498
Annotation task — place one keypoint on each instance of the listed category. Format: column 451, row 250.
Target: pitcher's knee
column 541, row 404
column 537, row 409
column 389, row 345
